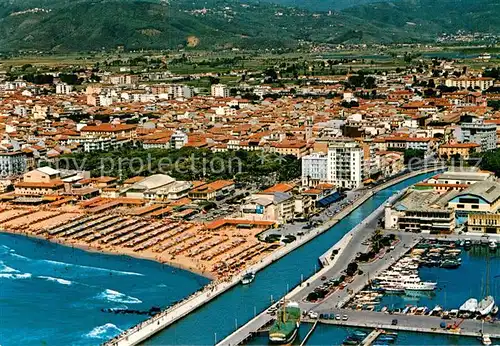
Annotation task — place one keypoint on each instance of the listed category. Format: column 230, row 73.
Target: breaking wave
column 92, row 268
column 105, row 331
column 15, row 276
column 58, row 280
column 118, row 297
column 6, row 269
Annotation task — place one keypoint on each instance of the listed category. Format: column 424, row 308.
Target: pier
column 146, row 329
column 309, row 333
column 347, row 248
column 371, row 337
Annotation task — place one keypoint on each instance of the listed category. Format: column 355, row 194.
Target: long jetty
column 370, row 337
column 144, row 330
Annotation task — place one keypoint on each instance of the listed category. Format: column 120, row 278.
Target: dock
column 410, row 323
column 371, row 337
column 309, row 333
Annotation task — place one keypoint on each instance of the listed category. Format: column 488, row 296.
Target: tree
column 352, row 268
column 413, row 155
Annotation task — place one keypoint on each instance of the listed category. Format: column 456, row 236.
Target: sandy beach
column 213, row 253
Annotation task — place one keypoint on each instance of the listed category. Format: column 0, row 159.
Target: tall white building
column 342, row 166
column 480, row 133
column 314, row 169
column 12, row 163
column 345, row 164
column 220, row 90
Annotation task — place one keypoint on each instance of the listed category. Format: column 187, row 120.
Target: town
column 224, row 172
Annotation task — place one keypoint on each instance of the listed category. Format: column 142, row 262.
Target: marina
column 416, row 318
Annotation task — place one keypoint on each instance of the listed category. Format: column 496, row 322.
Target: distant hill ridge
column 77, row 25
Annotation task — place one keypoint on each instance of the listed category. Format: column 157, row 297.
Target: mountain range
column 82, row 25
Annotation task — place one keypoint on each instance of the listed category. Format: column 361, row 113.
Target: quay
column 410, row 323
column 146, row 329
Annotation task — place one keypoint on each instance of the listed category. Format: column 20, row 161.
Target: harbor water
column 455, row 286
column 53, row 295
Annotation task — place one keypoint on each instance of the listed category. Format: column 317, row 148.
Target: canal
column 220, row 317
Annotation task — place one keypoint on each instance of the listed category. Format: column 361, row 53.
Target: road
column 409, row 322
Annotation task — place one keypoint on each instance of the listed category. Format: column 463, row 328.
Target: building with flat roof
column 483, row 223
column 421, row 211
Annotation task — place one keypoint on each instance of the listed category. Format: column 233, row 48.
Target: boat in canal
column 247, row 278
column 493, row 245
column 486, row 305
column 285, row 328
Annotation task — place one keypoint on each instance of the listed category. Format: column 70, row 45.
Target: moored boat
column 247, row 278
column 285, row 328
column 486, row 305
column 469, row 306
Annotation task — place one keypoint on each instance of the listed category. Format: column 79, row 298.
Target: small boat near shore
column 247, row 278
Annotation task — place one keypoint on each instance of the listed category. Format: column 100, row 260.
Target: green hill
column 77, row 25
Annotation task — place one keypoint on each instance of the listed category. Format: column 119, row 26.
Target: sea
column 53, row 295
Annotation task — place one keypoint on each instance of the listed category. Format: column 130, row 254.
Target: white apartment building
column 482, row 83
column 342, row 166
column 178, row 140
column 63, row 88
column 345, row 164
column 220, row 90
column 12, row 163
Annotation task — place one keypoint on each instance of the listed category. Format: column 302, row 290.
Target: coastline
column 106, row 251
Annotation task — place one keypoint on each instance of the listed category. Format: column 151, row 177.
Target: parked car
column 345, row 318
column 394, row 322
column 338, row 317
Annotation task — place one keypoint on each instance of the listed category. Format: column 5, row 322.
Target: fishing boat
column 284, row 330
column 247, row 278
column 486, row 305
column 469, row 306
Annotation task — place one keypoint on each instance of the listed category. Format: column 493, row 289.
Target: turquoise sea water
column 53, row 295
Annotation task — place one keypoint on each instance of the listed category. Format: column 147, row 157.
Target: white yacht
column 420, row 286
column 486, row 305
column 469, row 306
